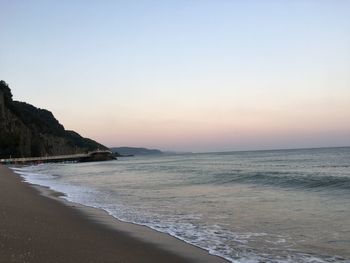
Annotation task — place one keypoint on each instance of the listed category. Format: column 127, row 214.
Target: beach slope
column 35, row 228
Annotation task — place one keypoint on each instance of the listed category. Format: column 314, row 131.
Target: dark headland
column 36, row 226
column 28, row 131
column 134, row 151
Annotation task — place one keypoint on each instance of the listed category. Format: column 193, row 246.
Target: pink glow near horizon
column 218, row 129
column 186, row 75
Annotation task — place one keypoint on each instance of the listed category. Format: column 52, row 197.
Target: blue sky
column 185, row 75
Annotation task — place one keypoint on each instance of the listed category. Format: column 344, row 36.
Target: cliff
column 27, row 131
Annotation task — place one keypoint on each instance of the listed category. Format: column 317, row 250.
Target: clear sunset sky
column 185, row 75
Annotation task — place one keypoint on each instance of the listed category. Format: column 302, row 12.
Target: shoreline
column 39, row 226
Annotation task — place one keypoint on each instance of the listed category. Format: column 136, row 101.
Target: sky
column 189, row 75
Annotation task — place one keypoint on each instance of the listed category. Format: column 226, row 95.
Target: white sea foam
column 181, row 208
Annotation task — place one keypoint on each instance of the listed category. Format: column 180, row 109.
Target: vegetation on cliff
column 29, row 131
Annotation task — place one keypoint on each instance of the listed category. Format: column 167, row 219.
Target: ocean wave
column 235, row 246
column 284, row 179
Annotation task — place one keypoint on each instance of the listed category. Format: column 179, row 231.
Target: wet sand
column 36, row 228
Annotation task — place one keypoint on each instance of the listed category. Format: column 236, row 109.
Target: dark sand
column 38, row 229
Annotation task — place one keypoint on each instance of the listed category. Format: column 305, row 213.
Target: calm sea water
column 263, row 206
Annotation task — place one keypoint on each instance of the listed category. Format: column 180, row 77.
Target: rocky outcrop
column 27, row 131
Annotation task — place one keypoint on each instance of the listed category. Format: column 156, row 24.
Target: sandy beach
column 37, row 228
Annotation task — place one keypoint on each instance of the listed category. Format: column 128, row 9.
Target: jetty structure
column 94, row 156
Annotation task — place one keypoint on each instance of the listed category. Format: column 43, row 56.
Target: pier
column 94, row 156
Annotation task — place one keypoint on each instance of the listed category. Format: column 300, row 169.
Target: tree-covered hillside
column 29, row 131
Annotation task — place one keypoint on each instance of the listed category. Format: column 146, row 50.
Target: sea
column 247, row 207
